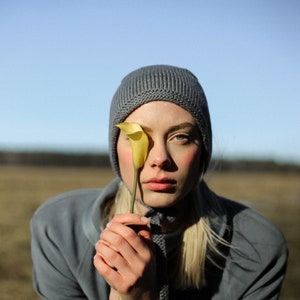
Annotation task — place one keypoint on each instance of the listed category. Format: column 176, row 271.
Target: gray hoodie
column 66, row 228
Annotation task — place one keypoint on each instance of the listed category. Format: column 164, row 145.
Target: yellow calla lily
column 139, row 145
column 139, row 142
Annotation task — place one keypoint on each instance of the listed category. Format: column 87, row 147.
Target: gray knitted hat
column 160, row 82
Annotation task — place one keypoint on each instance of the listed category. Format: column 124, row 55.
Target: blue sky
column 61, row 61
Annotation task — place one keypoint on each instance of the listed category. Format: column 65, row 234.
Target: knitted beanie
column 165, row 83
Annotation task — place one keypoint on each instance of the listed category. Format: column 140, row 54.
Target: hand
column 124, row 257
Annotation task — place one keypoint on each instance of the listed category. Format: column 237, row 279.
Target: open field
column 23, row 189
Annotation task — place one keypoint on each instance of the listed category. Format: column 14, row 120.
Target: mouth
column 160, row 184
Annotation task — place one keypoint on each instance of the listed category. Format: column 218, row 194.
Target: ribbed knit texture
column 160, row 82
column 161, row 252
column 158, row 215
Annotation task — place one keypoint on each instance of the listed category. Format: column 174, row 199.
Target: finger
column 142, row 231
column 106, row 237
column 120, row 236
column 112, row 276
column 99, row 251
column 136, row 251
column 119, row 255
column 116, row 241
column 113, row 258
column 134, row 221
column 109, row 273
column 130, row 219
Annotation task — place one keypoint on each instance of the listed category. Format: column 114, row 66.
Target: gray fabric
column 160, row 82
column 161, row 252
column 65, row 229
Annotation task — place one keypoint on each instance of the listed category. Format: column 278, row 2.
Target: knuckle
column 130, row 234
column 104, row 271
column 119, row 241
column 112, row 256
column 102, row 268
column 97, row 246
column 103, row 234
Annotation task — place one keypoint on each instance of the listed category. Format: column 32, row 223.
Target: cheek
column 190, row 161
column 125, row 162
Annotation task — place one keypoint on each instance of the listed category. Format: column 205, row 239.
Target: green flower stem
column 135, row 180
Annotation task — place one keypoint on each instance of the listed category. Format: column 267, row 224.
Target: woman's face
column 172, row 167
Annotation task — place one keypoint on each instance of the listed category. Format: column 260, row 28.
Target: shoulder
column 248, row 224
column 61, row 217
column 257, row 244
column 66, row 204
column 73, row 212
column 57, row 232
column 258, row 253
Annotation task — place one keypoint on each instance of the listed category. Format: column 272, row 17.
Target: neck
column 179, row 211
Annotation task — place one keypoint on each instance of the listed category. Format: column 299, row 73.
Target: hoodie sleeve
column 62, row 255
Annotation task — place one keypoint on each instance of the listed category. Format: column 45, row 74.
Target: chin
column 160, row 201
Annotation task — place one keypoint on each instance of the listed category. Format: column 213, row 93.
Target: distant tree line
column 54, row 159
column 101, row 160
column 252, row 165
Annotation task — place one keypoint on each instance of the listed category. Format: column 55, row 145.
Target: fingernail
column 108, row 224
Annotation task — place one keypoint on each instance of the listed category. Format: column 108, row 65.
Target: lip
column 160, row 184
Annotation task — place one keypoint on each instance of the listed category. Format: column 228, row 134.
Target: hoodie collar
column 93, row 215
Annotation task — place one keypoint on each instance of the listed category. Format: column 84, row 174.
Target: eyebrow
column 182, row 126
column 173, row 128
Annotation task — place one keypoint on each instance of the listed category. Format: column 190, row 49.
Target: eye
column 182, row 138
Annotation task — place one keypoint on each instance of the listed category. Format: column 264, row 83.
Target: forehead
column 162, row 111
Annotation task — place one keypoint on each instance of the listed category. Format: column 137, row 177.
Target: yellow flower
column 139, row 145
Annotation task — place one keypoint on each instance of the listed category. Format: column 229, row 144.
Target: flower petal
column 139, row 142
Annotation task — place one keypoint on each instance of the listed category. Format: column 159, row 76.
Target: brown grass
column 23, row 189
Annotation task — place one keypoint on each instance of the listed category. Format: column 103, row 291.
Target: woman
column 182, row 241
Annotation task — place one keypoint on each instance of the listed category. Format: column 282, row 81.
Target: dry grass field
column 23, row 189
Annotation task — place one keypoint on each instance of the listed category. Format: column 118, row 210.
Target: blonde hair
column 199, row 241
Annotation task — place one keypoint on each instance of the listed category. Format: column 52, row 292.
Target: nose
column 159, row 156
